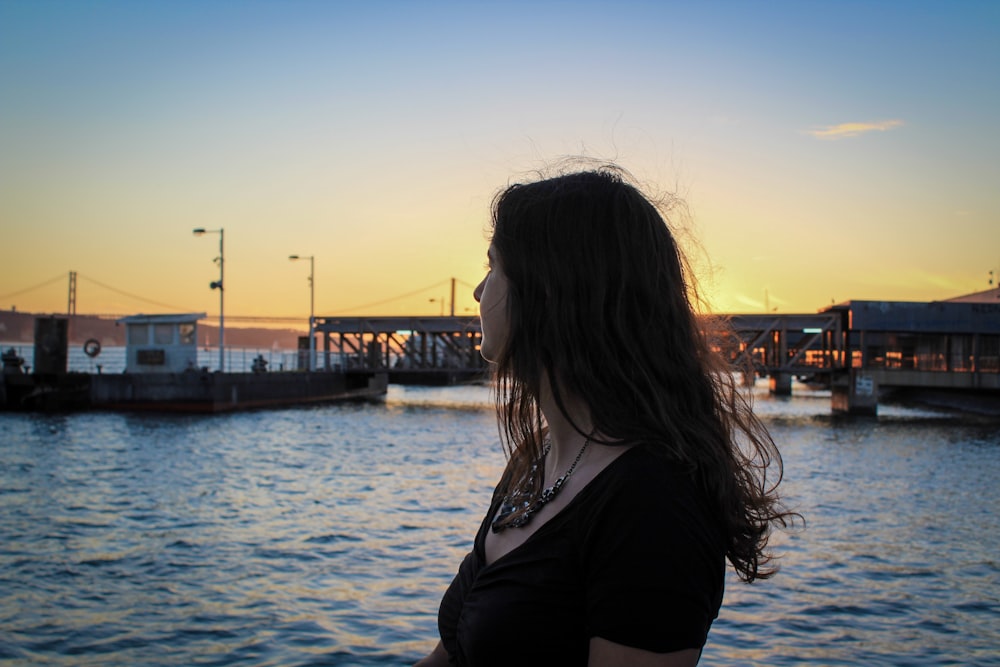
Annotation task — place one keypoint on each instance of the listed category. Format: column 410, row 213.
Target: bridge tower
column 71, row 302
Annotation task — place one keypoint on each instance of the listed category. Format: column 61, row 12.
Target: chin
column 487, row 352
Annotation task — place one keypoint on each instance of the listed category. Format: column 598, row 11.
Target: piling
column 856, row 393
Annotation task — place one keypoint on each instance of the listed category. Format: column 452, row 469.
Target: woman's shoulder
column 650, row 504
column 647, row 464
column 646, row 481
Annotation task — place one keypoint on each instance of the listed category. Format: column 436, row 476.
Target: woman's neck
column 564, row 428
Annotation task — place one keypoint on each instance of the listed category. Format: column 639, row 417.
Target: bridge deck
column 890, row 344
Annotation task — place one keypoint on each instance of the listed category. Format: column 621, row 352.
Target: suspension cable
column 38, row 286
column 133, row 296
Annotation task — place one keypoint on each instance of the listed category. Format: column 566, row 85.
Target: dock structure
column 859, row 350
column 414, row 350
column 808, row 346
column 778, row 346
column 161, row 375
column 943, row 352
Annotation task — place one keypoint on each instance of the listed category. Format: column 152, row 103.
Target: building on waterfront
column 954, row 335
column 937, row 348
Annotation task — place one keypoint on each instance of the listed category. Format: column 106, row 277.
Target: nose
column 477, row 293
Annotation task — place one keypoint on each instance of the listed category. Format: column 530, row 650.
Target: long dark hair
column 600, row 305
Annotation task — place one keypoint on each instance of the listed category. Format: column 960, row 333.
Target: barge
column 161, row 375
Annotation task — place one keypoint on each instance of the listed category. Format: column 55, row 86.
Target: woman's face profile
column 491, row 294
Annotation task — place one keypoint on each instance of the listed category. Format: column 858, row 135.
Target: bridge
column 860, row 350
column 441, row 350
column 414, row 350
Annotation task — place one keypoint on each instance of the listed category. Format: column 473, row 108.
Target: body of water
column 327, row 535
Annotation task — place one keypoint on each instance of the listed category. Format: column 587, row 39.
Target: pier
column 946, row 353
column 943, row 352
column 414, row 350
column 810, row 347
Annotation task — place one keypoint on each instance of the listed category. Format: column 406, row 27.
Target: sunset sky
column 826, row 150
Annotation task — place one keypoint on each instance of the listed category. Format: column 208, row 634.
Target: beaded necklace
column 520, row 499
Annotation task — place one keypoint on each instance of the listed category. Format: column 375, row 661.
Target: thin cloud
column 845, row 130
column 748, row 301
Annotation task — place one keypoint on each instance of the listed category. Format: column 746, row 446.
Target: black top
column 637, row 557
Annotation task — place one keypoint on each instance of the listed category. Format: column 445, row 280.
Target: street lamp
column 441, row 301
column 217, row 284
column 312, row 301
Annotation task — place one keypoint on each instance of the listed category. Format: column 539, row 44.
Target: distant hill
column 16, row 327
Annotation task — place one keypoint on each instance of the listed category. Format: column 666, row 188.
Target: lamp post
column 312, row 301
column 222, row 294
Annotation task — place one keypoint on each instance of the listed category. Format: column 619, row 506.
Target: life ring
column 92, row 347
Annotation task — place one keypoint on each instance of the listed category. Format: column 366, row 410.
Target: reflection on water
column 326, row 535
column 899, row 550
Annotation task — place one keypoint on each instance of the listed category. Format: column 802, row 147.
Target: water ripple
column 326, row 536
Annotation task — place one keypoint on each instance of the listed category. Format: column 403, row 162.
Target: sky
column 822, row 151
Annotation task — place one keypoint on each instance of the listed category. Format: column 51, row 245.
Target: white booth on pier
column 161, row 343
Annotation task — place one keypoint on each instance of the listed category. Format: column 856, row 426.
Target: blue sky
column 826, row 150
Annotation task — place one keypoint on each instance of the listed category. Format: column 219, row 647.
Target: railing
column 794, row 344
column 238, row 359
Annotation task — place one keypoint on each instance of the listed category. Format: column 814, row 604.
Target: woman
column 625, row 490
